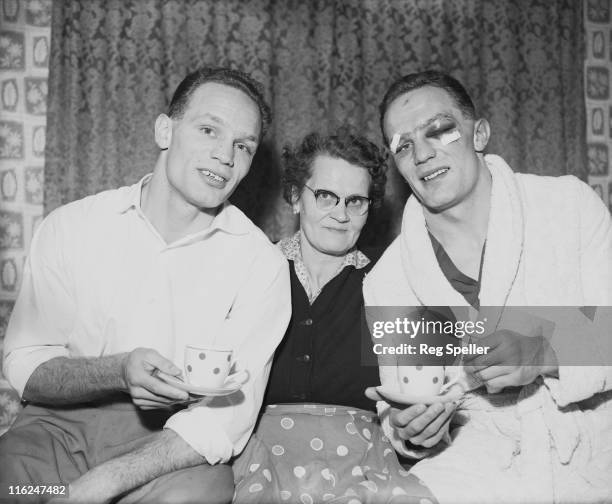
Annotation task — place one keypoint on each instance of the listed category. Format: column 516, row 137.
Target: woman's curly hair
column 350, row 147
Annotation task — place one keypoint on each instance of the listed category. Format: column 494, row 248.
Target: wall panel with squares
column 25, row 34
column 598, row 98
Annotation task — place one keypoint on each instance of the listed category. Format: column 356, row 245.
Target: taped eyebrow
column 394, row 143
column 450, row 136
column 436, row 122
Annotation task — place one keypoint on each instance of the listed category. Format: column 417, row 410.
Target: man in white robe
column 531, row 433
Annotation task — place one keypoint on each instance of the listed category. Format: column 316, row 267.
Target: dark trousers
column 51, row 446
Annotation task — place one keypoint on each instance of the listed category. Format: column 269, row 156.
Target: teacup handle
column 240, row 377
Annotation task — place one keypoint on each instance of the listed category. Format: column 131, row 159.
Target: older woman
column 319, row 438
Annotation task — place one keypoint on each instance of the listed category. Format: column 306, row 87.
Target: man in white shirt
column 117, row 284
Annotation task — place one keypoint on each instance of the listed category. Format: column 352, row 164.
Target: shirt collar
column 131, row 197
column 292, row 250
column 229, row 218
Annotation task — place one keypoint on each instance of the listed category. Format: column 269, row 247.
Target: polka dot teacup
column 207, row 367
column 420, row 380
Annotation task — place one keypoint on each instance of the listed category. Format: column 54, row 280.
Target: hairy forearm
column 160, row 453
column 68, row 380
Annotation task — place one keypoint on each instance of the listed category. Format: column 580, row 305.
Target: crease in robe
column 549, row 244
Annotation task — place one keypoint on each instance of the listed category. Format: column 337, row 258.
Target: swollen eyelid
column 441, row 130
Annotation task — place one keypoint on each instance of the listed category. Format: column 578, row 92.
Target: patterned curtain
column 115, row 64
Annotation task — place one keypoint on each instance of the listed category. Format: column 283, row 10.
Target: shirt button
column 308, row 321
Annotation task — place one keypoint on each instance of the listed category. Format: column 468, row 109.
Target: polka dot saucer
column 408, row 399
column 232, row 384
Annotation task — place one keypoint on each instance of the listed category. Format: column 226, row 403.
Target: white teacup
column 420, row 380
column 207, row 367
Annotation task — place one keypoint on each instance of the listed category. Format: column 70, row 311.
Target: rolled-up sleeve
column 44, row 312
column 220, row 429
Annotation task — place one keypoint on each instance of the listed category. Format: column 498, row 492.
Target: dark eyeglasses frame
column 350, row 210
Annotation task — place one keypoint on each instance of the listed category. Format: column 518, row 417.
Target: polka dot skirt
column 310, row 454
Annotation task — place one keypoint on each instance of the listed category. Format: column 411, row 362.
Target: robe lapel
column 419, row 261
column 505, row 236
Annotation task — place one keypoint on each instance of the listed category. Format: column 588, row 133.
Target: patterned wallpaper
column 24, row 59
column 598, row 100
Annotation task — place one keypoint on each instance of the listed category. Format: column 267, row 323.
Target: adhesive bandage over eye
column 451, row 136
column 394, row 143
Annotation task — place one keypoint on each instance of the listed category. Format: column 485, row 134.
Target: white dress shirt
column 100, row 280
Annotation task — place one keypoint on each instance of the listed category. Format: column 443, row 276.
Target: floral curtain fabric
column 115, row 64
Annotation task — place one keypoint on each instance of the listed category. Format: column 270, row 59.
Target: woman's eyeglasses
column 326, row 200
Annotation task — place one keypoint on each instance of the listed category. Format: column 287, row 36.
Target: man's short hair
column 432, row 78
column 221, row 75
column 344, row 144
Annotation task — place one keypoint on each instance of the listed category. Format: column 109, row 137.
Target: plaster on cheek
column 451, row 136
column 394, row 143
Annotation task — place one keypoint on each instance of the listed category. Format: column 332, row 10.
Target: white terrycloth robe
column 549, row 243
